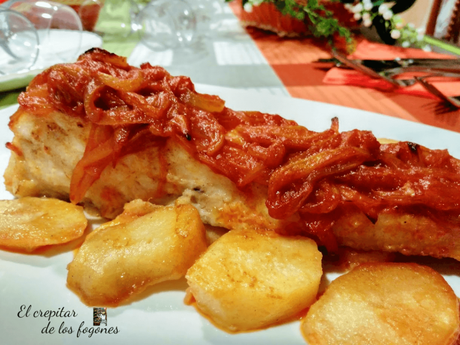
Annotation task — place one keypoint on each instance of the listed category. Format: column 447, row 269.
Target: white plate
column 160, row 316
column 62, row 41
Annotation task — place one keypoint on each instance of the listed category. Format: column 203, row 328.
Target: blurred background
column 267, row 46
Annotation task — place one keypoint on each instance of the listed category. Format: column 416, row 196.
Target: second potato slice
column 252, row 279
column 385, row 303
column 120, row 260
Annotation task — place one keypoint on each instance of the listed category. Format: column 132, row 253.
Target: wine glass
column 18, row 42
column 166, row 24
column 59, row 30
column 160, row 24
column 47, row 33
column 208, row 14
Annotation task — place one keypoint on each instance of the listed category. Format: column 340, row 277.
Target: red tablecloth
column 291, row 59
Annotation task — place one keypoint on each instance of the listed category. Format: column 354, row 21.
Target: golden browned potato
column 118, row 261
column 385, row 303
column 131, row 211
column 29, row 223
column 252, row 279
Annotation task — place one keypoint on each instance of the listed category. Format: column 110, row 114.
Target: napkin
column 371, row 50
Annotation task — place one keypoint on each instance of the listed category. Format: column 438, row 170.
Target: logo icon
column 99, row 316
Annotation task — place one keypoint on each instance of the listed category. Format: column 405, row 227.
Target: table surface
column 303, row 80
column 255, row 60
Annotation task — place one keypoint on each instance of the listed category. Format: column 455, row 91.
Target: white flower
column 366, row 15
column 248, row 7
column 421, row 31
column 349, row 7
column 368, row 6
column 387, row 15
column 395, row 34
column 357, row 16
column 405, row 44
column 367, row 23
column 411, row 26
column 427, row 48
column 420, row 37
column 383, row 8
column 399, row 25
column 358, row 8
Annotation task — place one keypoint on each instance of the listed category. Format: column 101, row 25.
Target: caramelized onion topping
column 310, row 173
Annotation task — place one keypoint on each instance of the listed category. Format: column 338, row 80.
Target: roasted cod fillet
column 102, row 133
column 52, row 146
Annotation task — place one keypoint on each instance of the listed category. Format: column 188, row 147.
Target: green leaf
column 300, row 16
column 323, row 23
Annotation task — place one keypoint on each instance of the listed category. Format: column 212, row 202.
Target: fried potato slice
column 118, row 261
column 28, row 223
column 385, row 303
column 131, row 211
column 252, row 279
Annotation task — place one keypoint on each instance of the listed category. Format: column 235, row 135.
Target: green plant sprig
column 323, row 23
